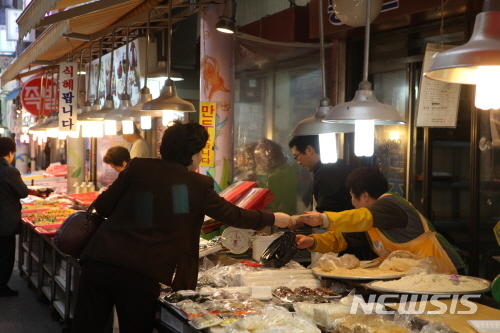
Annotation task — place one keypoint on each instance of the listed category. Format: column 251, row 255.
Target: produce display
column 433, row 283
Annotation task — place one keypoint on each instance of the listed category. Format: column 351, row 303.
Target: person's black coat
column 155, row 210
column 12, row 188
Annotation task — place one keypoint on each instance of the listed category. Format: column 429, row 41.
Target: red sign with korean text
column 31, row 100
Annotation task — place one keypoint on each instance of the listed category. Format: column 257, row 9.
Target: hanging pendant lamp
column 314, row 125
column 477, row 61
column 227, row 22
column 364, row 111
column 168, row 99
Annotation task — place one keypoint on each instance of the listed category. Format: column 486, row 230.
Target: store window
column 276, row 86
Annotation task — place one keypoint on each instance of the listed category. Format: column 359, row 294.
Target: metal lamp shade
column 136, row 110
column 226, row 21
column 87, row 108
column 314, row 125
column 160, row 73
column 101, row 113
column 460, row 64
column 168, row 101
column 364, row 106
column 117, row 114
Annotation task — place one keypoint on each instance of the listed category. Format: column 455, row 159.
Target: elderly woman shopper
column 155, row 210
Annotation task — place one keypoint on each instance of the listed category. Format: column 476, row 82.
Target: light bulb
column 167, row 118
column 110, row 127
column 92, row 129
column 487, row 96
column 74, row 134
column 128, row 126
column 145, row 122
column 328, row 147
column 52, row 132
column 2, row 131
column 364, row 137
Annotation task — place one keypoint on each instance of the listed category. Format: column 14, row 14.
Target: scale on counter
column 237, row 240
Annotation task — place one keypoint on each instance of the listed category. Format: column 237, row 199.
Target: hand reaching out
column 311, row 218
column 283, row 220
column 303, row 241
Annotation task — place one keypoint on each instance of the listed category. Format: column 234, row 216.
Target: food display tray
column 398, row 291
column 319, row 272
column 42, row 230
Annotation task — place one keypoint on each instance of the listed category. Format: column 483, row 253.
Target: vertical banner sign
column 216, row 82
column 68, row 97
column 207, row 119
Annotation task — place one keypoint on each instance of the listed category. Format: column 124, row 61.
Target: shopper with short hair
column 12, row 188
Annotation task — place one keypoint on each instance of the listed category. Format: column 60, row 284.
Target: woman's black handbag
column 76, row 231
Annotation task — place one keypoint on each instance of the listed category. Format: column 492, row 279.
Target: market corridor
column 23, row 313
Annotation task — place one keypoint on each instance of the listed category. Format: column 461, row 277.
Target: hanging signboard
column 437, row 100
column 207, row 119
column 68, row 97
column 32, row 101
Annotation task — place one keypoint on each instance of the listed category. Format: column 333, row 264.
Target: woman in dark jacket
column 12, row 188
column 155, row 211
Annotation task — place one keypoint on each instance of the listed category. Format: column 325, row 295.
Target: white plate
column 490, row 326
column 319, row 272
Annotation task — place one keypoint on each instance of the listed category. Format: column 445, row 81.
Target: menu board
column 437, row 100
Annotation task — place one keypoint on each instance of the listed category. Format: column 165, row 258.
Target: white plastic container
column 83, row 187
column 260, row 244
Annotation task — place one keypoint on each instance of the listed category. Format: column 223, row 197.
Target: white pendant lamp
column 365, row 111
column 477, row 61
column 314, row 125
column 168, row 99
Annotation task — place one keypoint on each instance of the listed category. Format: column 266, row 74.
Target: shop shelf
column 47, row 291
column 35, row 256
column 48, row 268
column 61, row 282
column 60, row 308
column 34, row 280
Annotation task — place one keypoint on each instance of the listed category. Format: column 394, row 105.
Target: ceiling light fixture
column 475, row 62
column 364, row 111
column 227, row 21
column 168, row 100
column 314, row 125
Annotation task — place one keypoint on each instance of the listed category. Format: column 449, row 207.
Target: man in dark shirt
column 12, row 188
column 329, row 190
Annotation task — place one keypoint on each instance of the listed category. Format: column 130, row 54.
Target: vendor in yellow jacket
column 391, row 223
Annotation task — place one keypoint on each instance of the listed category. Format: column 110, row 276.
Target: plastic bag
column 437, row 327
column 280, row 252
column 331, row 261
column 430, row 265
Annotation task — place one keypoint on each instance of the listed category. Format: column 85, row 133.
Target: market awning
column 53, row 44
column 13, row 94
column 37, row 10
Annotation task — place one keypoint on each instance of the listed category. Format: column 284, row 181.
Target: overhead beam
column 79, row 11
column 78, row 36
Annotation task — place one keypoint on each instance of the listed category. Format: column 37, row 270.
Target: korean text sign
column 68, row 98
column 207, row 120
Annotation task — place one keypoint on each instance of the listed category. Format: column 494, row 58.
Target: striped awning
column 52, row 44
column 37, row 9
